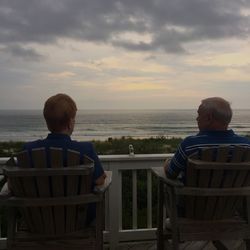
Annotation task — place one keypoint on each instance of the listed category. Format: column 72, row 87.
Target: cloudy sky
column 124, row 54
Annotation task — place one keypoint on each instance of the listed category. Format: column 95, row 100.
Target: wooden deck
column 201, row 245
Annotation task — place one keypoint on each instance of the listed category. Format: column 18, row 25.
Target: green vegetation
column 9, row 148
column 155, row 145
column 141, row 146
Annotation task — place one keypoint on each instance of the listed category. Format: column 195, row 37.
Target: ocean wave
column 100, row 125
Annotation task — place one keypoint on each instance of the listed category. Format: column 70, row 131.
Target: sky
column 130, row 54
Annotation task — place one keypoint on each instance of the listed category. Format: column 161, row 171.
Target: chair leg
column 219, row 245
column 247, row 242
column 160, row 240
column 11, row 215
column 160, row 235
column 175, row 243
column 99, row 225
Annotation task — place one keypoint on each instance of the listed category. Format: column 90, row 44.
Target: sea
column 27, row 125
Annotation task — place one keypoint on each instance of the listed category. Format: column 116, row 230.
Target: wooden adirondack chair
column 217, row 184
column 52, row 202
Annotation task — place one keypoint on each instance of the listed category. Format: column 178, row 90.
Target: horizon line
column 100, row 108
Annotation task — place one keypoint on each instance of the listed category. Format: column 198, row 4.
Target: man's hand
column 165, row 165
column 101, row 179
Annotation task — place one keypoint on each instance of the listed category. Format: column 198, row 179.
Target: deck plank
column 198, row 245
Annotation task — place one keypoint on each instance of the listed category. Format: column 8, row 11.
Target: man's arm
column 177, row 164
column 101, row 179
column 99, row 175
column 170, row 174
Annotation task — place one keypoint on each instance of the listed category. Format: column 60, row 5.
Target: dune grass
column 112, row 146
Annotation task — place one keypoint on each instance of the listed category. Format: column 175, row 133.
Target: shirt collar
column 58, row 136
column 218, row 132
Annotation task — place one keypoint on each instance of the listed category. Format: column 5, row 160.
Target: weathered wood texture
column 52, row 193
column 217, row 186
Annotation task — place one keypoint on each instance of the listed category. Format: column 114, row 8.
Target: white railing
column 117, row 164
column 114, row 233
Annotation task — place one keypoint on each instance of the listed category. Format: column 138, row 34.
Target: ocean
column 26, row 125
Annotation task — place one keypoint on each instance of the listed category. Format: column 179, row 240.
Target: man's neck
column 64, row 132
column 217, row 126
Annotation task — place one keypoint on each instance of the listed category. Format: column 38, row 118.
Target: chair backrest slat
column 73, row 159
column 224, row 204
column 215, row 207
column 32, row 216
column 23, row 159
column 44, row 189
column 191, row 182
column 215, row 182
column 237, row 180
column 39, row 161
column 56, row 161
column 203, row 181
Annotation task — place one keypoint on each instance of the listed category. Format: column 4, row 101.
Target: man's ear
column 70, row 124
column 210, row 118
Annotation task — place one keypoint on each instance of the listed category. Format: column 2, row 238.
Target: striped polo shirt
column 204, row 139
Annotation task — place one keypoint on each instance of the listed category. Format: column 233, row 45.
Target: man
column 214, row 116
column 60, row 112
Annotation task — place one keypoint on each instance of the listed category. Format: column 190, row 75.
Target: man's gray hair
column 219, row 108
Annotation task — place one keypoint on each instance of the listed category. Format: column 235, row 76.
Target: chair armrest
column 102, row 188
column 5, row 194
column 5, row 190
column 2, row 180
column 160, row 173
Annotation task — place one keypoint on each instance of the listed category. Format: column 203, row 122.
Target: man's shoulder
column 194, row 138
column 81, row 146
column 33, row 144
column 195, row 141
column 215, row 138
column 82, row 143
column 241, row 139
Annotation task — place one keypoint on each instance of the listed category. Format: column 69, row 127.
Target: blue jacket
column 84, row 148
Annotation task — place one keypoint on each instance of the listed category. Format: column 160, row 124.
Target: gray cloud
column 171, row 24
column 24, row 53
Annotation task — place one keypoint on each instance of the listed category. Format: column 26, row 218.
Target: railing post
column 115, row 207
column 134, row 195
column 160, row 239
column 149, row 198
